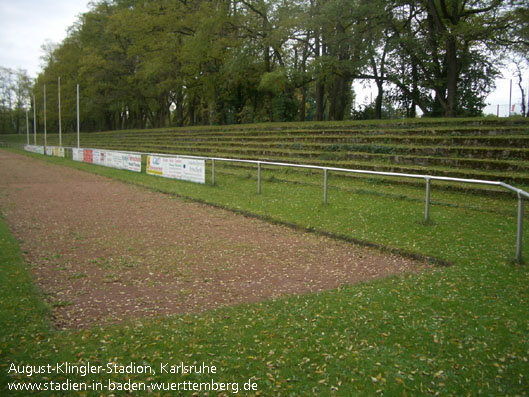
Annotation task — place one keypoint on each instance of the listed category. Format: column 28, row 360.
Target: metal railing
column 521, row 194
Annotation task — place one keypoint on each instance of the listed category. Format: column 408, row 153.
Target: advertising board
column 108, row 158
column 55, row 151
column 177, row 168
column 77, row 154
column 34, row 149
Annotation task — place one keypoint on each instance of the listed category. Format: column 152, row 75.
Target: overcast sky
column 25, row 25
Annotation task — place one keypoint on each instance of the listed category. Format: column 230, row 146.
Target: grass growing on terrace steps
column 479, row 148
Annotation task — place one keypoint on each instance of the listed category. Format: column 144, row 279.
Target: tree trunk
column 378, row 102
column 338, row 100
column 179, row 107
column 320, row 88
column 302, row 113
column 415, row 82
column 451, row 78
column 525, row 112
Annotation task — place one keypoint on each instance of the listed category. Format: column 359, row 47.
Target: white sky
column 25, row 25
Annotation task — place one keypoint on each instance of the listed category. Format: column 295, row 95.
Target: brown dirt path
column 102, row 251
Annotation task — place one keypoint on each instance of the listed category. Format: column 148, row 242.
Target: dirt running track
column 103, row 251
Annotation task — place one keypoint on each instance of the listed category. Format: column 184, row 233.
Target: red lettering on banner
column 88, row 156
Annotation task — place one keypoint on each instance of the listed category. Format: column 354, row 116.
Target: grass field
column 456, row 330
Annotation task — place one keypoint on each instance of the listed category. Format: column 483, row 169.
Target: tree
column 176, row 62
column 447, row 40
column 518, row 40
column 518, row 73
column 15, row 88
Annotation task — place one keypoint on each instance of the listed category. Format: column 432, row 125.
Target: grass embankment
column 454, row 330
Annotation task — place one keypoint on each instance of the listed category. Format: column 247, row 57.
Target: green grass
column 459, row 330
column 25, row 320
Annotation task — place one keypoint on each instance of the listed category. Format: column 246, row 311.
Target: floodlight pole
column 59, row 101
column 27, row 127
column 78, row 126
column 45, row 119
column 34, row 121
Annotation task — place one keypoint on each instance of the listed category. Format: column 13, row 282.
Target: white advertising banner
column 107, row 158
column 77, row 154
column 177, row 168
column 34, row 149
column 124, row 161
column 55, row 151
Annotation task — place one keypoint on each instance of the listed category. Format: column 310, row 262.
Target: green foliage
column 15, row 88
column 172, row 63
column 436, row 46
column 24, row 316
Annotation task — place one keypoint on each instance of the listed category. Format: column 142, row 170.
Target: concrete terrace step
column 439, row 170
column 497, row 153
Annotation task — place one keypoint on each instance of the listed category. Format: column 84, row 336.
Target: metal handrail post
column 325, row 186
column 519, row 230
column 212, row 171
column 258, row 177
column 427, row 201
